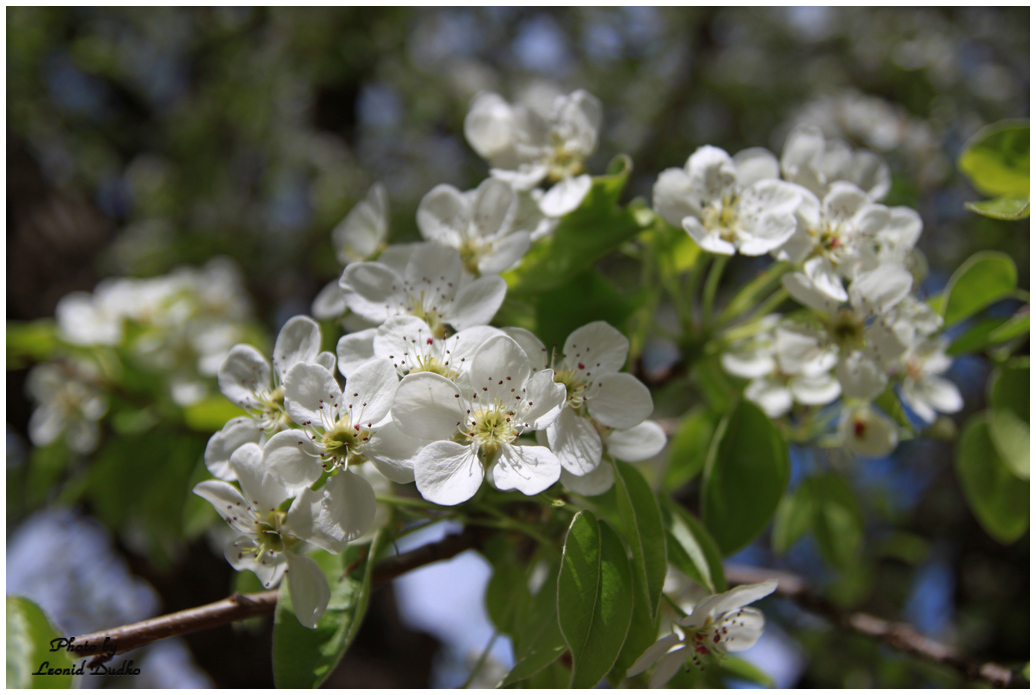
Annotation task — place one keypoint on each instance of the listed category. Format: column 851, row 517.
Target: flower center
column 429, row 314
column 722, row 217
column 273, row 417
column 491, row 428
column 341, row 441
column 471, row 251
column 846, row 329
column 563, row 163
column 574, row 386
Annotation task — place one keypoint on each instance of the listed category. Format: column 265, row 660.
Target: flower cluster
column 850, row 262
column 424, row 389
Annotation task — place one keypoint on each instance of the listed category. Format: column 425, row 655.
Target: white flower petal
column 228, row 503
column 802, row 290
column 505, row 253
column 771, row 396
column 619, row 400
column 596, row 482
column 447, row 473
column 242, row 374
column 542, row 400
column 269, row 569
column 369, row 392
column 489, row 125
column 372, row 290
column 338, row 513
column 298, row 341
column 596, row 349
column 354, row 349
column 755, row 164
column 329, row 302
column 533, row 347
column 526, row 468
column 476, row 302
column 653, row 653
column 878, row 290
column 308, row 587
column 494, row 209
column 708, row 241
column 742, row 630
column 866, row 431
column 393, row 452
column 668, row 665
column 673, row 198
column 311, row 394
column 261, row 490
column 566, row 195
column 357, row 237
column 815, row 390
column 498, row 369
column 575, row 442
column 293, row 458
column 235, row 432
column 443, row 215
column 636, row 443
column 861, row 376
column 427, row 406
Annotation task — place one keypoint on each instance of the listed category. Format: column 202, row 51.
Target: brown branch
column 107, row 643
column 899, row 636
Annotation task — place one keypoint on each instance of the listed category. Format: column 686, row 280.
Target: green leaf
column 745, row 477
column 29, row 635
column 986, row 277
column 1006, row 208
column 642, row 524
column 996, row 159
column 645, row 533
column 793, row 519
column 999, row 500
column 586, row 297
column 989, row 332
column 538, row 642
column 30, row 342
column 1009, row 415
column 689, row 449
column 733, row 667
column 507, row 595
column 210, row 414
column 595, row 600
column 889, row 403
column 304, row 658
column 837, row 520
column 584, row 236
column 691, row 549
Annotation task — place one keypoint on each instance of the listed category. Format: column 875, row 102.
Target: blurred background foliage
column 140, row 140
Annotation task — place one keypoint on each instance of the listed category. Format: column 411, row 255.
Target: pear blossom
column 786, row 364
column 815, row 163
column 422, row 280
column 247, row 380
column 473, row 426
column 729, row 205
column 865, row 430
column 68, row 406
column 480, row 224
column 412, row 346
column 865, row 341
column 339, row 428
column 358, row 237
column 270, row 541
column 717, row 625
column 525, row 145
column 602, row 406
column 923, row 389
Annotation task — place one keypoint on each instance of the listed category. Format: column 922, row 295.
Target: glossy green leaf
column 645, row 533
column 584, row 236
column 586, row 297
column 1006, row 208
column 837, row 519
column 998, row 498
column 304, row 658
column 538, row 642
column 1009, row 415
column 691, row 549
column 986, row 277
column 989, row 332
column 507, row 595
column 595, row 600
column 996, row 159
column 745, row 477
column 642, row 526
column 29, row 635
column 793, row 519
column 1016, row 327
column 689, row 449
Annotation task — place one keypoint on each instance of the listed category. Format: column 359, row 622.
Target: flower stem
column 711, row 285
column 750, row 292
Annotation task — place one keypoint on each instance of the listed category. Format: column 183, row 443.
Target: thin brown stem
column 899, row 636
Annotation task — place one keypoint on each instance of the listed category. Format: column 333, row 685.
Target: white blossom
column 729, row 205
column 603, row 406
column 865, row 430
column 924, row 389
column 815, row 163
column 67, row 406
column 525, row 146
column 248, row 381
column 339, row 428
column 269, row 540
column 717, row 625
column 474, row 425
column 422, row 280
column 479, row 224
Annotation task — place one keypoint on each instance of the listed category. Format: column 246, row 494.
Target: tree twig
column 899, row 636
column 107, row 643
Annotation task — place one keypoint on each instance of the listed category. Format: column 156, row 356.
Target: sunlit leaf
column 986, row 277
column 999, row 499
column 29, row 635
